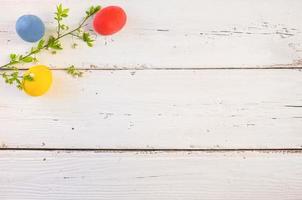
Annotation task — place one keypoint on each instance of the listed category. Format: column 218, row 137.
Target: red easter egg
column 109, row 20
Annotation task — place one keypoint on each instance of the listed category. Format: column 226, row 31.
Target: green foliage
column 12, row 78
column 28, row 59
column 41, row 44
column 64, row 27
column 87, row 38
column 59, row 16
column 53, row 43
column 61, row 13
column 14, row 59
column 74, row 72
column 92, row 10
column 28, row 77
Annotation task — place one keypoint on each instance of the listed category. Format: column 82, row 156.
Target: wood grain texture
column 158, row 175
column 200, row 104
column 173, row 34
column 158, row 109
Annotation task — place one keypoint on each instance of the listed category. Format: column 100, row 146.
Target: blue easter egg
column 30, row 28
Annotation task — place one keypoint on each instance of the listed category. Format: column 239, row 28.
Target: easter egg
column 109, row 20
column 30, row 28
column 42, row 80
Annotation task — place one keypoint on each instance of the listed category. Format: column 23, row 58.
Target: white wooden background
column 198, row 99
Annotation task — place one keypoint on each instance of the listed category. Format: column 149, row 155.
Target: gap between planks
column 299, row 68
column 113, row 150
column 188, row 69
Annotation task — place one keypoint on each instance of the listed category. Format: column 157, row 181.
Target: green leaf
column 92, row 10
column 28, row 77
column 59, row 8
column 87, row 38
column 13, row 57
column 27, row 59
column 57, row 46
column 64, row 27
column 74, row 72
column 41, row 44
column 65, row 12
column 54, row 43
column 51, row 40
column 12, row 78
column 33, row 50
column 61, row 13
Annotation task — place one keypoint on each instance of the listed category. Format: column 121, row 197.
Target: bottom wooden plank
column 149, row 175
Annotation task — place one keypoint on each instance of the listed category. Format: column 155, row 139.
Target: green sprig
column 74, row 72
column 12, row 78
column 92, row 10
column 59, row 16
column 53, row 44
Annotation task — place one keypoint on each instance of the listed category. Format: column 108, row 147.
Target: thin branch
column 56, row 39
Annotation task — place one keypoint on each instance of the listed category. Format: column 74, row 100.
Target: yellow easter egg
column 42, row 79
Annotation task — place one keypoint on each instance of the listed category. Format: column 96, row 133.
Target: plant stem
column 47, row 45
column 59, row 28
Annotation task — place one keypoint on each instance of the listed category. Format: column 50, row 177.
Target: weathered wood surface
column 157, row 175
column 158, row 109
column 187, row 108
column 174, row 34
column 212, row 99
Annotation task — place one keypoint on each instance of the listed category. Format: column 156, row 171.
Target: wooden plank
column 158, row 175
column 158, row 109
column 173, row 34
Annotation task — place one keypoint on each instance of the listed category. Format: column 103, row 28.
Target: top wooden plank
column 173, row 34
